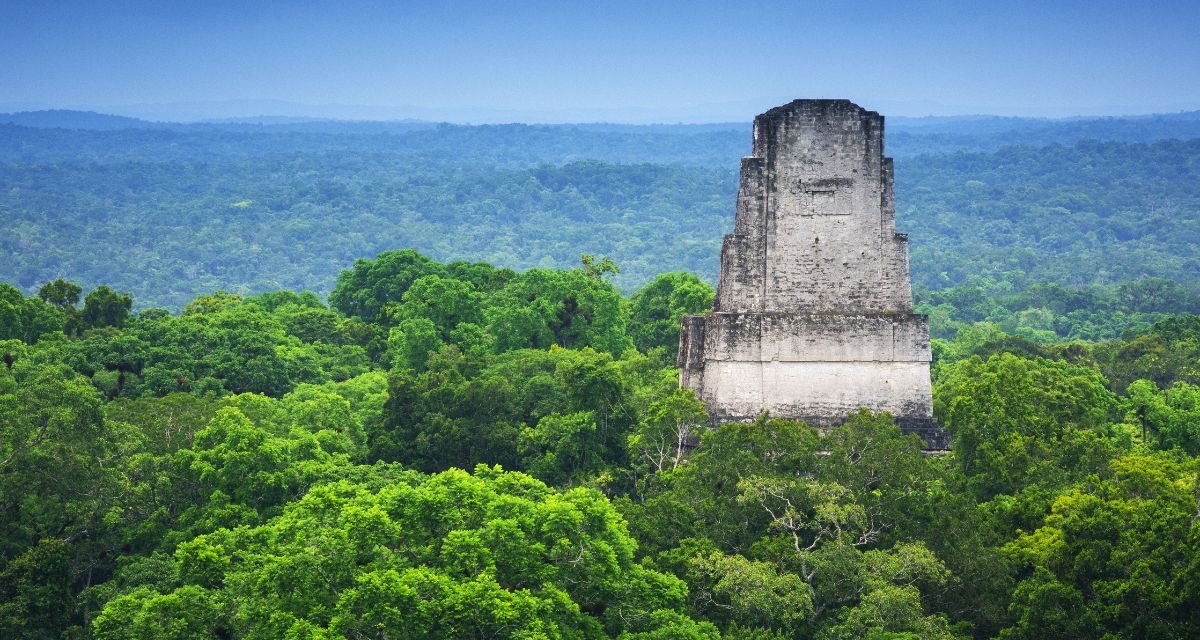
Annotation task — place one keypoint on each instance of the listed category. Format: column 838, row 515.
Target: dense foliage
column 1091, row 213
column 1048, row 311
column 458, row 450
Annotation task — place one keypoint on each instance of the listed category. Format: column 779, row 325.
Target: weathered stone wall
column 820, row 393
column 813, row 315
column 742, row 282
column 819, row 367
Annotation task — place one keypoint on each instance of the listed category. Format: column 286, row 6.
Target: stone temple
column 813, row 316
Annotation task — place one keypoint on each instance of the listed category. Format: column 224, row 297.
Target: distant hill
column 93, row 121
column 528, row 145
column 310, row 125
column 915, row 136
column 996, row 124
column 69, row 119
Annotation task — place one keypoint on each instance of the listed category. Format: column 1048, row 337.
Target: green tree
column 493, row 554
column 365, row 290
column 445, row 302
column 1016, row 421
column 1172, row 415
column 1115, row 560
column 60, row 293
column 656, row 309
column 104, row 307
column 594, row 268
column 59, row 482
column 541, row 308
column 52, row 431
column 27, row 319
column 661, row 441
column 780, row 530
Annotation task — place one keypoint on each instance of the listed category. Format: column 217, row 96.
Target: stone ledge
column 937, row 438
column 806, row 337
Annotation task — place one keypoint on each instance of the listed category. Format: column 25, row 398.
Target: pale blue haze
column 619, row 61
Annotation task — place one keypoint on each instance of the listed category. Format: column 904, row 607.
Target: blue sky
column 619, row 61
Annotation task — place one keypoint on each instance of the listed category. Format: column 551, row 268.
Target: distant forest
column 994, row 206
